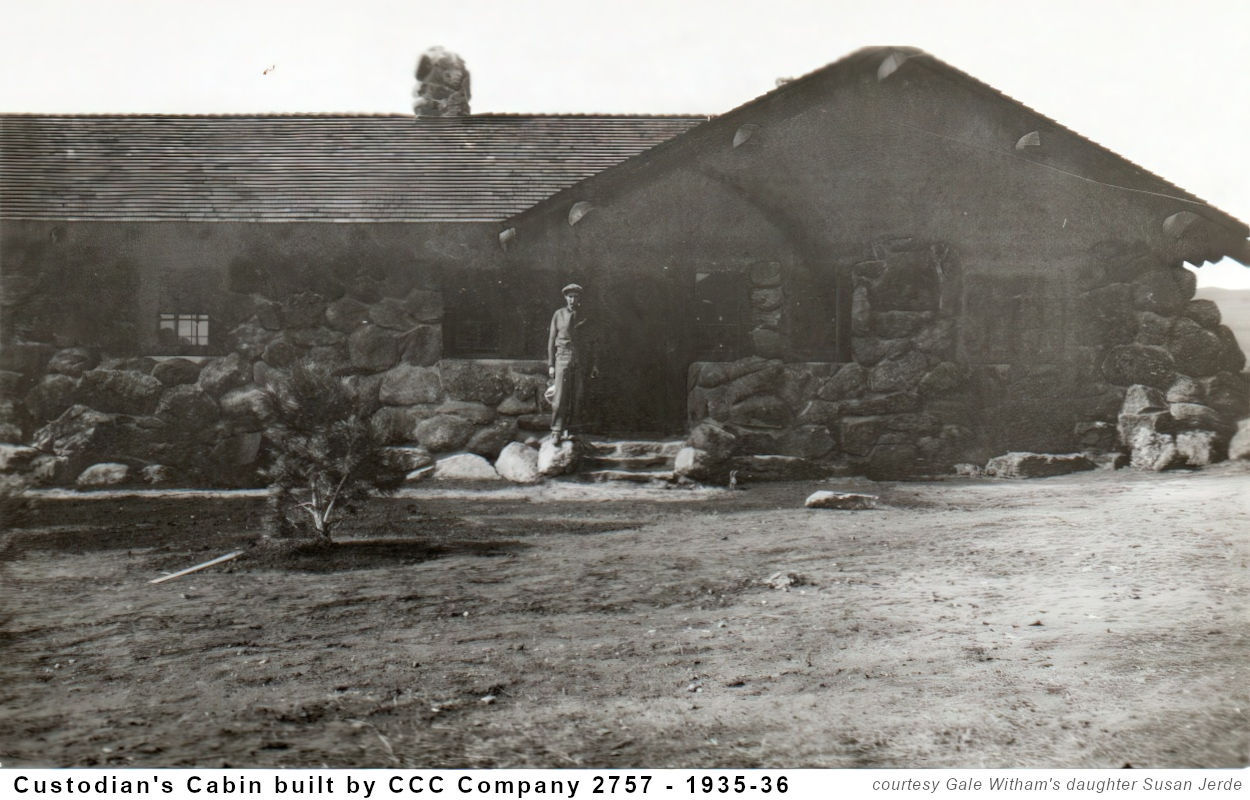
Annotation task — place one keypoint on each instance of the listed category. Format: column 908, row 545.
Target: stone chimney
column 442, row 85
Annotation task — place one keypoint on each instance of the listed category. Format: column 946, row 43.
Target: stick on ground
column 198, row 567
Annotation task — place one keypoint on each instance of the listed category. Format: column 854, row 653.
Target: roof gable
column 324, row 167
column 1081, row 158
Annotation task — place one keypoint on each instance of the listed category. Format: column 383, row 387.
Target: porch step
column 633, row 460
column 605, row 475
column 628, row 462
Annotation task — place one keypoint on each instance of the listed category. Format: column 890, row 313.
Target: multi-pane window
column 184, row 329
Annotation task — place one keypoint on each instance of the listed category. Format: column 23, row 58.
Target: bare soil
column 1094, row 620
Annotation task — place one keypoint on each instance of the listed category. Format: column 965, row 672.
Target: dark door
column 643, row 333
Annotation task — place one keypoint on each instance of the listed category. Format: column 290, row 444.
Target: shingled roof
column 305, row 167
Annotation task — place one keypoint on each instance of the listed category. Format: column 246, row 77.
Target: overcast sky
column 1162, row 83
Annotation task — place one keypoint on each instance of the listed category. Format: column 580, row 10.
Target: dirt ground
column 1095, row 620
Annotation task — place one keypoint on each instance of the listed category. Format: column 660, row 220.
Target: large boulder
column 776, row 468
column 247, row 408
column 444, row 432
column 51, row 396
column 469, row 380
column 422, row 345
column 1141, row 399
column 1228, row 393
column 107, row 474
column 16, row 457
column 1153, row 451
column 1196, row 350
column 187, row 406
column 806, row 441
column 465, row 467
column 850, row 380
column 1128, row 364
column 303, row 310
column 1195, row 416
column 1198, row 448
column 700, row 465
column 518, row 463
column 425, row 305
column 346, row 314
column 491, row 439
column 407, row 385
column 558, row 458
column 1186, row 390
column 406, row 459
column 714, row 438
column 119, row 391
column 373, row 347
column 73, row 361
column 477, row 413
column 1204, row 312
column 761, row 411
column 176, row 371
column 223, row 374
column 391, row 313
column 1037, row 465
column 898, row 374
column 1159, row 290
column 394, row 424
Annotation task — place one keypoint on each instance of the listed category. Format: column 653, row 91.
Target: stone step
column 605, row 475
column 628, row 462
column 632, row 448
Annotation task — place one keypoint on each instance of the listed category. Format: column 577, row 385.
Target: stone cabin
column 884, row 264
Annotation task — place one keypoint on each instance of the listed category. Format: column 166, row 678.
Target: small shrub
column 323, row 457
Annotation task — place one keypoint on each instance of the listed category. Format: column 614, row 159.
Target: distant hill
column 1235, row 309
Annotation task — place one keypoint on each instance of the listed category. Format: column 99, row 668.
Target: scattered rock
column 109, row 474
column 465, row 467
column 157, row 474
column 714, row 438
column 518, row 463
column 1036, row 465
column 1108, row 459
column 843, row 501
column 784, row 580
column 968, row 470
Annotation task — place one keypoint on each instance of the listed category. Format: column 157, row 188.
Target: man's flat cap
column 572, row 288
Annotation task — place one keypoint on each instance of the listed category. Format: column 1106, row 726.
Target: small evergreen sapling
column 324, row 458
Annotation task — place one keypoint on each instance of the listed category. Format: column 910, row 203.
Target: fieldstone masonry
column 1143, row 368
column 203, row 420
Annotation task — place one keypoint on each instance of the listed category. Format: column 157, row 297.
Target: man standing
column 570, row 350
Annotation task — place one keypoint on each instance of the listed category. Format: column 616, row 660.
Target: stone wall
column 202, row 420
column 902, row 407
column 1131, row 362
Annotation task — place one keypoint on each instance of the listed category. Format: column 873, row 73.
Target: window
column 720, row 315
column 188, row 330
column 500, row 318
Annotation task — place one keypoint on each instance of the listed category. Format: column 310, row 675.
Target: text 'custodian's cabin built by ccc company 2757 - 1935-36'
column 885, row 265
